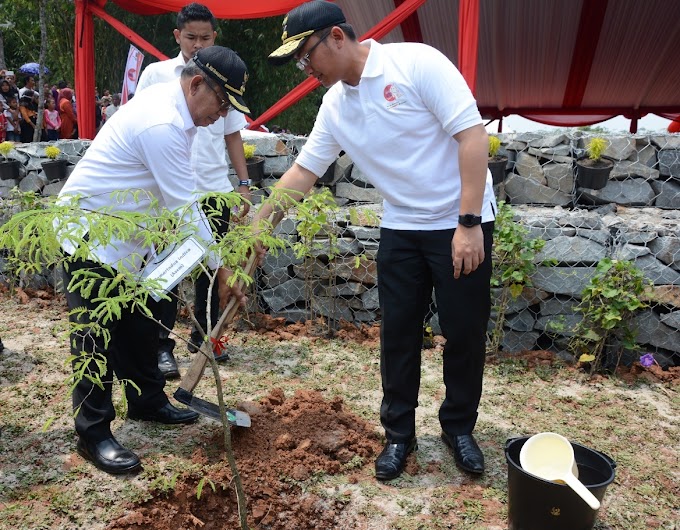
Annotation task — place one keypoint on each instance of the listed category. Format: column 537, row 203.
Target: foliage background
column 253, row 39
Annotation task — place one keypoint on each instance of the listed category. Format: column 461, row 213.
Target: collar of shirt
column 183, row 109
column 179, row 64
column 374, row 66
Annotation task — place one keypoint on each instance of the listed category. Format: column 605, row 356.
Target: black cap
column 227, row 69
column 300, row 23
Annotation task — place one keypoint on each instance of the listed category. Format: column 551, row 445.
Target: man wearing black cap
column 145, row 146
column 406, row 117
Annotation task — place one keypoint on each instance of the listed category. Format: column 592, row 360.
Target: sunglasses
column 304, row 61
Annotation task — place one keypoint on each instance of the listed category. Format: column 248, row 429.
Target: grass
column 43, row 484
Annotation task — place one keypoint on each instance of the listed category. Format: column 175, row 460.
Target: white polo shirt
column 209, row 156
column 145, row 146
column 397, row 125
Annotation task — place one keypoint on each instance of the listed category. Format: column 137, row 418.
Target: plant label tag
column 173, row 264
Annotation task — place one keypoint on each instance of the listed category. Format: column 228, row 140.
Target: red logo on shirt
column 391, row 92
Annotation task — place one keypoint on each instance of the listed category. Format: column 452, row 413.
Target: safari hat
column 227, row 69
column 300, row 23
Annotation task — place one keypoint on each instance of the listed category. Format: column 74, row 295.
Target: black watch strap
column 469, row 220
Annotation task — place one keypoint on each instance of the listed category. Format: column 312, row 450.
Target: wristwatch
column 469, row 220
column 244, row 182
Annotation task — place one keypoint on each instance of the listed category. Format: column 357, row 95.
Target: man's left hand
column 467, row 249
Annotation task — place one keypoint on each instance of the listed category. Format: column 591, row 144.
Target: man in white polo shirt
column 196, row 30
column 144, row 151
column 405, row 116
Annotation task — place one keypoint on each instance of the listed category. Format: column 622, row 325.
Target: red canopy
column 560, row 63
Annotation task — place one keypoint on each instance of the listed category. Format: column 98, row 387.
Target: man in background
column 113, row 107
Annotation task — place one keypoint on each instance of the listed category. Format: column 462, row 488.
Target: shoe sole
column 156, row 420
column 173, row 374
column 453, row 453
column 111, row 471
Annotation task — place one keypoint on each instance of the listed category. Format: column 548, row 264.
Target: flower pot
column 9, row 170
column 55, row 170
column 593, row 174
column 497, row 168
column 255, row 166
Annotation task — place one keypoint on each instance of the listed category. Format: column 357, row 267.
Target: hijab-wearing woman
column 68, row 117
column 5, row 93
column 29, row 116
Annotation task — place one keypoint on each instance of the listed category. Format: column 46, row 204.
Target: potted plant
column 593, row 172
column 497, row 163
column 9, row 168
column 54, row 168
column 254, row 163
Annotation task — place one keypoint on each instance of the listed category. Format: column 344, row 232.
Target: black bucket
column 537, row 504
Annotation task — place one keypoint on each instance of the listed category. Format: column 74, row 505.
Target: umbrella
column 32, row 69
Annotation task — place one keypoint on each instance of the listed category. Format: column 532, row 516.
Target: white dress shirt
column 145, row 146
column 410, row 100
column 209, row 155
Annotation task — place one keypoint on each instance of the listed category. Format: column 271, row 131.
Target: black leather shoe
column 466, row 452
column 108, row 455
column 168, row 365
column 391, row 462
column 167, row 414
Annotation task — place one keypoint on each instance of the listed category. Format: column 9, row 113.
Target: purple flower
column 647, row 360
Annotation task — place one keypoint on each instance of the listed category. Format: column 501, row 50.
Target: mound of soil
column 290, row 441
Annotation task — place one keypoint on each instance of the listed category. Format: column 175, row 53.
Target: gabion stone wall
column 634, row 217
column 541, row 170
column 31, row 174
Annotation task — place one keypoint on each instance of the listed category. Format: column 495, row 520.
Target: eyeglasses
column 303, row 62
column 224, row 105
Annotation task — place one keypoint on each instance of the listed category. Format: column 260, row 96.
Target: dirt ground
column 307, row 460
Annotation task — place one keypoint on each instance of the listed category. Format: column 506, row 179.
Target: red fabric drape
column 587, row 38
column 468, row 40
column 377, row 32
column 219, row 8
column 84, row 69
column 411, row 26
column 566, row 120
column 674, row 126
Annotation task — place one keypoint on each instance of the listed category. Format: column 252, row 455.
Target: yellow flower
column 6, row 147
column 249, row 150
column 52, row 151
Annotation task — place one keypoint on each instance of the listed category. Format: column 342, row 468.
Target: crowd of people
column 19, row 116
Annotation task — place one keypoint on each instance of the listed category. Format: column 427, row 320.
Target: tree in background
column 41, row 76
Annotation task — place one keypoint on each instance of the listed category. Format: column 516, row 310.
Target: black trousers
column 410, row 264
column 219, row 222
column 130, row 354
